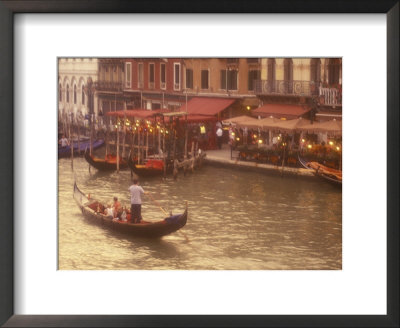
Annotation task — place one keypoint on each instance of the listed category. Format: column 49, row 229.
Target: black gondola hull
column 143, row 230
column 103, row 165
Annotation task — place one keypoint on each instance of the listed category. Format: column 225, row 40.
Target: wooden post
column 186, row 140
column 107, row 136
column 71, row 143
column 147, row 142
column 159, row 141
column 139, row 149
column 175, row 173
column 123, row 143
column 117, row 148
column 79, row 140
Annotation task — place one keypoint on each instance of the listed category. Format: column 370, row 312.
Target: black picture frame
column 7, row 11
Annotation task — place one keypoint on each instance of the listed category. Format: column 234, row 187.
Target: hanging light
column 309, row 146
column 331, row 143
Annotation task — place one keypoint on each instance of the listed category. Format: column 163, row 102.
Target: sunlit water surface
column 237, row 221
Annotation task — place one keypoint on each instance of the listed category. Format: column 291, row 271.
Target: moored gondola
column 93, row 211
column 328, row 174
column 151, row 167
column 109, row 163
column 78, row 147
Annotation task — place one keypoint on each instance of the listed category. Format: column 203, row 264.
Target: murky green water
column 237, row 220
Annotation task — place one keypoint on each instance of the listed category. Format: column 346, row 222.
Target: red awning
column 139, row 113
column 281, row 111
column 199, row 118
column 206, row 105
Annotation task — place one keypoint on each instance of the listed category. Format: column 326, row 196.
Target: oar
column 165, row 212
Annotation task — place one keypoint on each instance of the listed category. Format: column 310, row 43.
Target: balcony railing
column 109, row 86
column 330, row 96
column 281, row 87
column 327, row 95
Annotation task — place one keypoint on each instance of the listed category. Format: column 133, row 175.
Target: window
column 60, row 92
column 163, row 84
column 177, row 76
column 83, row 94
column 288, row 74
column 254, row 75
column 189, row 78
column 271, row 74
column 151, row 76
column 230, row 79
column 315, row 70
column 204, row 79
column 67, row 93
column 140, row 75
column 333, row 71
column 128, row 75
column 74, row 93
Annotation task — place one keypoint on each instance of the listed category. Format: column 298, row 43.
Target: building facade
column 313, row 82
column 74, row 75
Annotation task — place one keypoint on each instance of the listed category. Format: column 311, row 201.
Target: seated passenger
column 108, row 212
column 117, row 208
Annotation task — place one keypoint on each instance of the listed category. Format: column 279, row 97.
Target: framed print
column 40, row 42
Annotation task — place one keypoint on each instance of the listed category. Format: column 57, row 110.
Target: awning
column 206, row 105
column 281, row 111
column 290, row 125
column 138, row 113
column 238, row 119
column 332, row 127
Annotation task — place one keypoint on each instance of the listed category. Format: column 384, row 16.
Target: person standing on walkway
column 219, row 137
column 136, row 201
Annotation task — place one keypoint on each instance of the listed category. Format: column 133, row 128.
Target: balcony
column 109, row 86
column 330, row 96
column 286, row 88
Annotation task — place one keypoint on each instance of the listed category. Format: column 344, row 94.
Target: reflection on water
column 237, row 221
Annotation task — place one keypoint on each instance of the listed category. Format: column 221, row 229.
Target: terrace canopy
column 290, row 125
column 267, row 123
column 206, row 105
column 281, row 111
column 332, row 127
column 239, row 120
column 136, row 113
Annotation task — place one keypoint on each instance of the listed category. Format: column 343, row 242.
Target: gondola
column 66, row 150
column 108, row 163
column 150, row 168
column 92, row 211
column 331, row 175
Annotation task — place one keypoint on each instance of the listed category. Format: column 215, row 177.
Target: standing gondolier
column 136, row 201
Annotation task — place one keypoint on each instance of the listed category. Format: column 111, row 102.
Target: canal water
column 237, row 220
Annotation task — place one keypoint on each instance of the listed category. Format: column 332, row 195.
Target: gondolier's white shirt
column 136, row 194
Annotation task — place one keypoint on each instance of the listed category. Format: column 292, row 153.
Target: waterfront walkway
column 223, row 157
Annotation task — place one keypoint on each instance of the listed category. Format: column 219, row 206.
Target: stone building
column 73, row 77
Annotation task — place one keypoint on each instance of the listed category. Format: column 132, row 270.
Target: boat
column 78, row 147
column 108, row 163
column 327, row 173
column 92, row 210
column 151, row 167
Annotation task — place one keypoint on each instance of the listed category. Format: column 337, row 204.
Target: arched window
column 67, row 93
column 315, row 70
column 74, row 93
column 60, row 92
column 271, row 73
column 333, row 71
column 288, row 74
column 83, row 94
